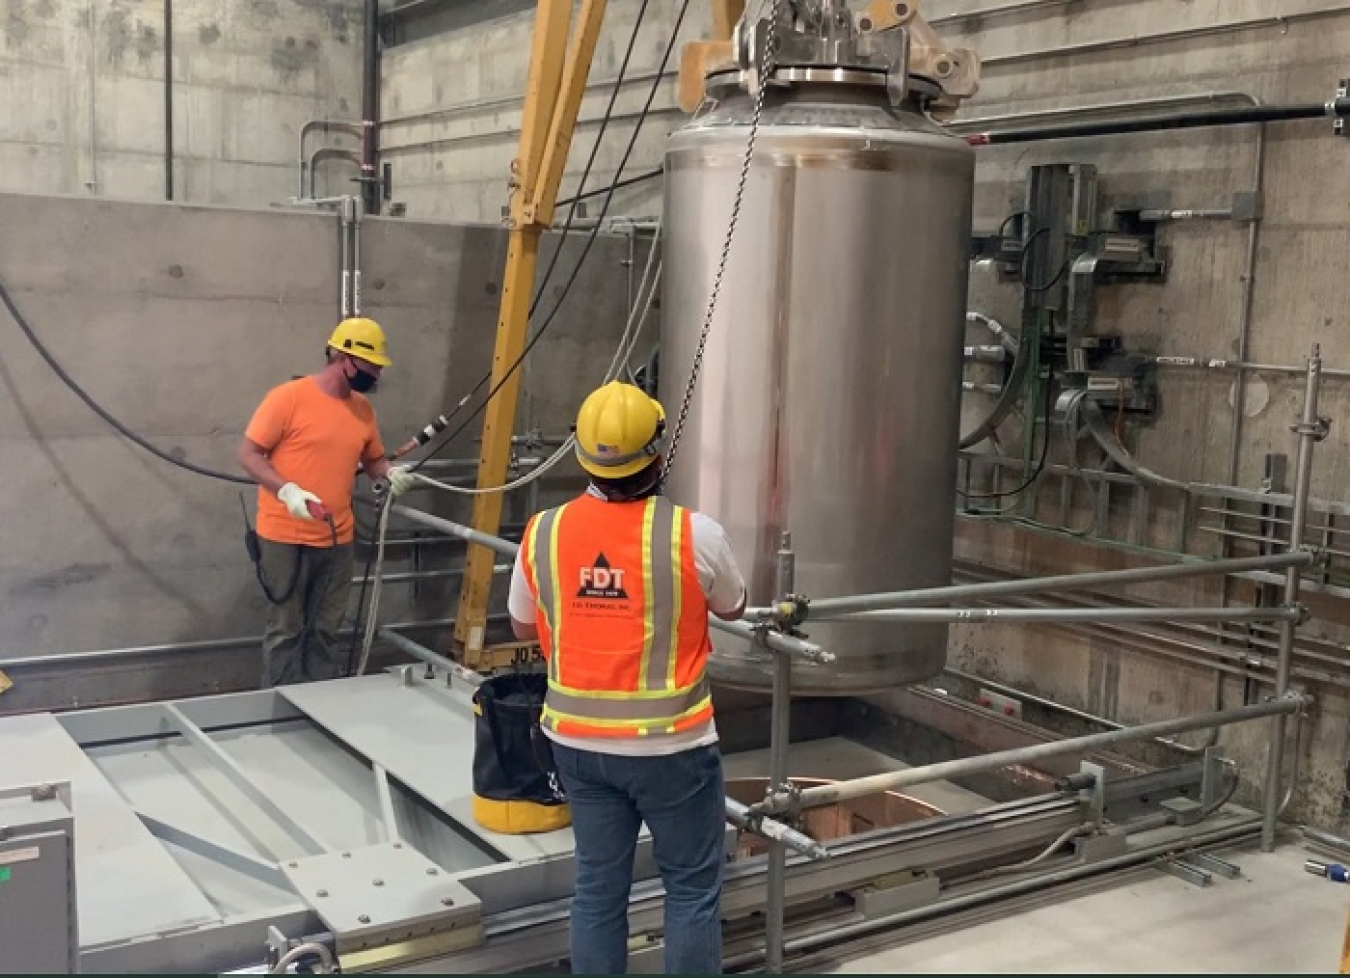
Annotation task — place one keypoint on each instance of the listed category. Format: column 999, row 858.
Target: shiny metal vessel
column 830, row 390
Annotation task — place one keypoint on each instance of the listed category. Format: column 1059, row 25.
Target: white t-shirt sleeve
column 717, row 570
column 520, row 601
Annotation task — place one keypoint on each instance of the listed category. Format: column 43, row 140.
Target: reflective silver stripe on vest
column 661, row 601
column 657, row 710
column 541, row 550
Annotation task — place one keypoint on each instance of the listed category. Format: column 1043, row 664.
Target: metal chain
column 765, row 70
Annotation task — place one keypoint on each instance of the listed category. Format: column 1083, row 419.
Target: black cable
column 97, row 408
column 1009, row 219
column 631, row 181
column 444, row 421
column 1022, row 265
column 590, row 241
column 1040, row 463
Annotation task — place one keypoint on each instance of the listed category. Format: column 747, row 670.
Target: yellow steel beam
column 725, row 15
column 547, row 52
column 552, row 102
column 540, row 208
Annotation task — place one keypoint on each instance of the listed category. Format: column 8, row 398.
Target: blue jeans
column 682, row 799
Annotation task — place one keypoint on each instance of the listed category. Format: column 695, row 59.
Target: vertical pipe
column 358, row 212
column 1309, row 431
column 370, row 109
column 168, row 99
column 780, row 737
column 344, row 259
column 92, row 184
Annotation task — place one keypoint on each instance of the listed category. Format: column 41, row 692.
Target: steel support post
column 780, row 738
column 1310, row 430
column 552, row 99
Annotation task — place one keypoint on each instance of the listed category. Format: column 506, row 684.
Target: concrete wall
column 179, row 337
column 451, row 107
column 1029, row 66
column 82, row 83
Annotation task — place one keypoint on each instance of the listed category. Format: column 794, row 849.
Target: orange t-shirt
column 316, row 442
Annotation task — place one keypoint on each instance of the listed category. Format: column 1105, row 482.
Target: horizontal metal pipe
column 1057, row 582
column 1108, row 109
column 831, row 794
column 1326, row 839
column 1336, row 108
column 1213, row 363
column 100, row 656
column 740, row 816
column 1194, row 214
column 1049, row 704
column 775, row 640
column 424, row 654
column 1051, row 615
column 1032, row 883
column 404, row 577
column 457, row 530
column 1005, row 10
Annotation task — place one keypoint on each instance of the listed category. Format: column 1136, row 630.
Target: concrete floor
column 1276, row 919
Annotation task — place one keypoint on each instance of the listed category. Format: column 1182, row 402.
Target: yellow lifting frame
column 557, row 82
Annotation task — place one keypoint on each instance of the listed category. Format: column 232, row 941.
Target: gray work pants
column 301, row 643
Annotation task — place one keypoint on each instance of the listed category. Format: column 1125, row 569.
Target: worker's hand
column 401, row 479
column 297, row 500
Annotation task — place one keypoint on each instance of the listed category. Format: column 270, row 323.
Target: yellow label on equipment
column 5, row 682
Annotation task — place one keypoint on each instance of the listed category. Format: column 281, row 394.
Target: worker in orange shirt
column 617, row 586
column 302, row 447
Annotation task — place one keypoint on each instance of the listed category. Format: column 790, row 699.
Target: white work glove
column 401, row 479
column 296, row 500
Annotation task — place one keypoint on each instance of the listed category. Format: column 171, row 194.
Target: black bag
column 515, row 785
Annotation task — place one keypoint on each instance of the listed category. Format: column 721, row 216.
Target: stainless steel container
column 830, row 390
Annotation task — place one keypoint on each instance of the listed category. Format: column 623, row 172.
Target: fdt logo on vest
column 602, row 581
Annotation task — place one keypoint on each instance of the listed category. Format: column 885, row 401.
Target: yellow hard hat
column 361, row 338
column 619, row 431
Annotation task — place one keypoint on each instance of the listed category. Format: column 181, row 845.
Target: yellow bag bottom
column 520, row 817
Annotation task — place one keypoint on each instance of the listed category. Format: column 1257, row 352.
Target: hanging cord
column 377, row 585
column 98, row 409
column 766, row 70
column 609, row 192
column 637, row 318
column 254, row 549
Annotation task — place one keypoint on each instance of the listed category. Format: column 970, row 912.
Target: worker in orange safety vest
column 617, row 586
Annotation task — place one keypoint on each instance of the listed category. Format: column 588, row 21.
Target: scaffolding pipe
column 424, row 654
column 965, row 767
column 780, row 738
column 993, row 616
column 97, row 657
column 740, row 816
column 1058, row 582
column 777, row 641
column 1040, row 881
column 1310, row 430
column 742, row 629
column 457, row 530
column 1066, row 710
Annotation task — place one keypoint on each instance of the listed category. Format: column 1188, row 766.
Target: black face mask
column 360, row 381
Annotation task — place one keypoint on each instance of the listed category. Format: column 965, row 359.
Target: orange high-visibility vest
column 623, row 620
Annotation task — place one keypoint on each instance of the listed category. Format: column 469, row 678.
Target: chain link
column 765, row 70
